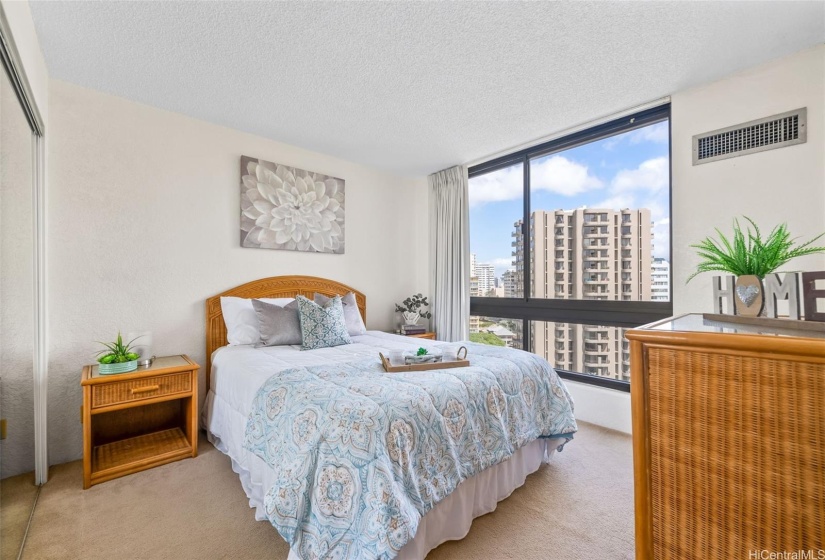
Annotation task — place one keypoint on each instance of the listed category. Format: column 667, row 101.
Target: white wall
column 144, row 226
column 772, row 187
column 604, row 407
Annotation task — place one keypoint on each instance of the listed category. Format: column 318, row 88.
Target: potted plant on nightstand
column 117, row 357
column 410, row 308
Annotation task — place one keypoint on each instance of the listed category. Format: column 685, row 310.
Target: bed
column 348, row 461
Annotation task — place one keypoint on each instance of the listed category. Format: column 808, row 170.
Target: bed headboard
column 275, row 287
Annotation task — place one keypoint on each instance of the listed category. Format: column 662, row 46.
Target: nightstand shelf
column 138, row 420
column 127, row 454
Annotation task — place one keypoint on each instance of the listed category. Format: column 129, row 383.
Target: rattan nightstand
column 427, row 335
column 138, row 420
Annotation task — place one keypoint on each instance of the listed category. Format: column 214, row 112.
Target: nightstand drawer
column 107, row 394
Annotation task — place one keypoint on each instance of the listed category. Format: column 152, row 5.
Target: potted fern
column 117, row 357
column 750, row 257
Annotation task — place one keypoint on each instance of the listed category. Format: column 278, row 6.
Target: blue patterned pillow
column 322, row 326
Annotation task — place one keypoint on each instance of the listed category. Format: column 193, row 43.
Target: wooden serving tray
column 389, row 368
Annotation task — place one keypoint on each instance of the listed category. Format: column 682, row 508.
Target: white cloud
column 616, row 202
column 652, row 175
column 555, row 174
column 562, row 176
column 645, row 187
column 657, row 133
column 506, row 184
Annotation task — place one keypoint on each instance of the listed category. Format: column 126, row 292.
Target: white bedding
column 239, row 371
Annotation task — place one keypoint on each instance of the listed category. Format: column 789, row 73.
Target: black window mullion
column 527, row 261
column 526, row 339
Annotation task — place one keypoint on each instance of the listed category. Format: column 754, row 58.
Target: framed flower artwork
column 287, row 208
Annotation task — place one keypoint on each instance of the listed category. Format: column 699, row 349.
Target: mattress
column 239, row 372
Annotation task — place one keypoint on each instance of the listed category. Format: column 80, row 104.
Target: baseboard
column 608, row 408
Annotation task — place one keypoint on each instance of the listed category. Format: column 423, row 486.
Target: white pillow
column 241, row 321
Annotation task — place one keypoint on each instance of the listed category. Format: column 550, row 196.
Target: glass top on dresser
column 695, row 322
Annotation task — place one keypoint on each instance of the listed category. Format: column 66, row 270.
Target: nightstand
column 138, row 420
column 427, row 335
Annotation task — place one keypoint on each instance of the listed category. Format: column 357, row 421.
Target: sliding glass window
column 570, row 245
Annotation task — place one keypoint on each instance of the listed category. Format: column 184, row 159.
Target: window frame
column 611, row 313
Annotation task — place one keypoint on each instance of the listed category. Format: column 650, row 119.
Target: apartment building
column 508, row 281
column 586, row 254
column 660, row 280
column 486, row 274
column 474, row 320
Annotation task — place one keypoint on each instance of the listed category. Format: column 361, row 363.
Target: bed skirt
column 449, row 520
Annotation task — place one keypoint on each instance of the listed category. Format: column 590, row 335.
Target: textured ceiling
column 410, row 87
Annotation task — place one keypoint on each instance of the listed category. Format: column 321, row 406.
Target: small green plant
column 748, row 253
column 422, row 352
column 413, row 304
column 117, row 352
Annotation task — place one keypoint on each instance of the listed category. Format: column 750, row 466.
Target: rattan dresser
column 728, row 440
column 138, row 420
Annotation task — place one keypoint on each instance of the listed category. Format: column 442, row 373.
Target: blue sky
column 629, row 170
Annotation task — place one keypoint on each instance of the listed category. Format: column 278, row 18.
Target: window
column 595, row 252
column 497, row 255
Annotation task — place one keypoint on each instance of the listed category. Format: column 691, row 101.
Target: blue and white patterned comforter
column 361, row 455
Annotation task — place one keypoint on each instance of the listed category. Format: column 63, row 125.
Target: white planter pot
column 411, row 318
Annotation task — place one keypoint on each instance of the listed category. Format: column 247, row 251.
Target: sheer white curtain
column 450, row 253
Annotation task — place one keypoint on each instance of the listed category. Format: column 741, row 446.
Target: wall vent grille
column 778, row 131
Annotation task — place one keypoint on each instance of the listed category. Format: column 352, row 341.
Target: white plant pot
column 411, row 318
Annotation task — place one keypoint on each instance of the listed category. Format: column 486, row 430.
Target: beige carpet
column 17, row 495
column 579, row 506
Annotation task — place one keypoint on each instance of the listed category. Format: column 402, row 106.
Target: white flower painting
column 287, row 208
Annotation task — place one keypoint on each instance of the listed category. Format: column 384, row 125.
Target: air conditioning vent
column 769, row 133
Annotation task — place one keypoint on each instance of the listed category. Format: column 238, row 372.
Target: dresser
column 138, row 420
column 728, row 440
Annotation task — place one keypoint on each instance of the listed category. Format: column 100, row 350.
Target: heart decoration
column 747, row 294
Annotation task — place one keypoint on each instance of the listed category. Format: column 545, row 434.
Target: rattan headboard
column 275, row 287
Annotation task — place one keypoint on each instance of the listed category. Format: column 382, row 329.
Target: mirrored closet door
column 17, row 480
column 22, row 352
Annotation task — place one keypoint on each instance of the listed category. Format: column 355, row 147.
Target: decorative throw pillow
column 355, row 324
column 278, row 325
column 241, row 321
column 322, row 326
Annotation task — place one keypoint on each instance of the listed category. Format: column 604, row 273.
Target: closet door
column 17, row 320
